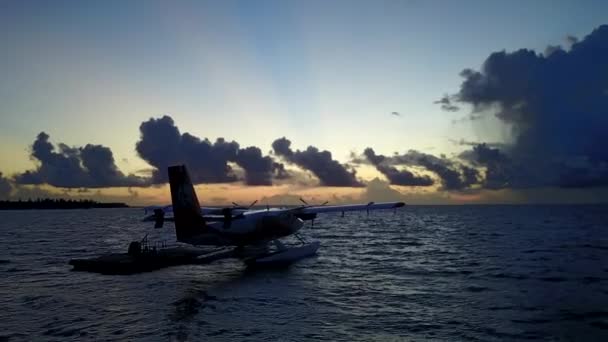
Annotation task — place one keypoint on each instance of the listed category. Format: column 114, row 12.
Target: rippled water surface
column 425, row 273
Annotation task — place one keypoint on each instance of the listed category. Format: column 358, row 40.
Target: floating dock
column 145, row 259
column 139, row 260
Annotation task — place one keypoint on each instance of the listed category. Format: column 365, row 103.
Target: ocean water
column 480, row 273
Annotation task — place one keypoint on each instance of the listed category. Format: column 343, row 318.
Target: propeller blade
column 303, row 201
column 236, row 204
column 252, row 204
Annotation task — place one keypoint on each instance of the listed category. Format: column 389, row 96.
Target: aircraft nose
column 292, row 223
column 296, row 224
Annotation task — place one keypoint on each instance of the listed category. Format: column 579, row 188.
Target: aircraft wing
column 168, row 209
column 204, row 210
column 349, row 207
column 312, row 209
column 304, row 212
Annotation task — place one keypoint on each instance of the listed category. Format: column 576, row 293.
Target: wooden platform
column 125, row 263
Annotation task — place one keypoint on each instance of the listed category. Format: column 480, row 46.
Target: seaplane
column 251, row 231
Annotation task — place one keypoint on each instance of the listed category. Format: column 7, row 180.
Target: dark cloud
column 469, row 176
column 5, row 187
column 282, row 147
column 498, row 165
column 91, row 166
column 373, row 158
column 556, row 105
column 551, row 49
column 484, row 154
column 464, row 142
column 320, row 163
column 280, row 172
column 403, row 177
column 396, row 177
column 99, row 163
column 453, row 175
column 447, row 104
column 161, row 144
column 259, row 170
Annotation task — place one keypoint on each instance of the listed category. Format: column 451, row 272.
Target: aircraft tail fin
column 186, row 208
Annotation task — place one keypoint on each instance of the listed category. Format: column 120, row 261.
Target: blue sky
column 322, row 73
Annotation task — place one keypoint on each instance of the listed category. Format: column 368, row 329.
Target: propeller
column 227, row 212
column 159, row 218
column 306, row 205
column 236, row 205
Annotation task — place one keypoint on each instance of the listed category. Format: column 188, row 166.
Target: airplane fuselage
column 238, row 226
column 249, row 228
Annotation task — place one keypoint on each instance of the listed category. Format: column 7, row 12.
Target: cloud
column 447, row 104
column 453, row 175
column 396, row 177
column 161, row 144
column 281, row 199
column 498, row 165
column 320, row 163
column 396, row 114
column 556, row 106
column 280, row 173
column 380, row 191
column 91, row 166
column 551, row 49
column 5, row 187
column 464, row 142
column 571, row 40
column 259, row 170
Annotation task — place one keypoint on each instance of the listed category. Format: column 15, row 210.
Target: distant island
column 49, row 203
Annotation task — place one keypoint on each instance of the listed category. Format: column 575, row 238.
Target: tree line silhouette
column 59, row 203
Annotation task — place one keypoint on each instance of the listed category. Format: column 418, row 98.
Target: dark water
column 427, row 273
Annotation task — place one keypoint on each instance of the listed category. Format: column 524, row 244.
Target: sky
column 426, row 101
